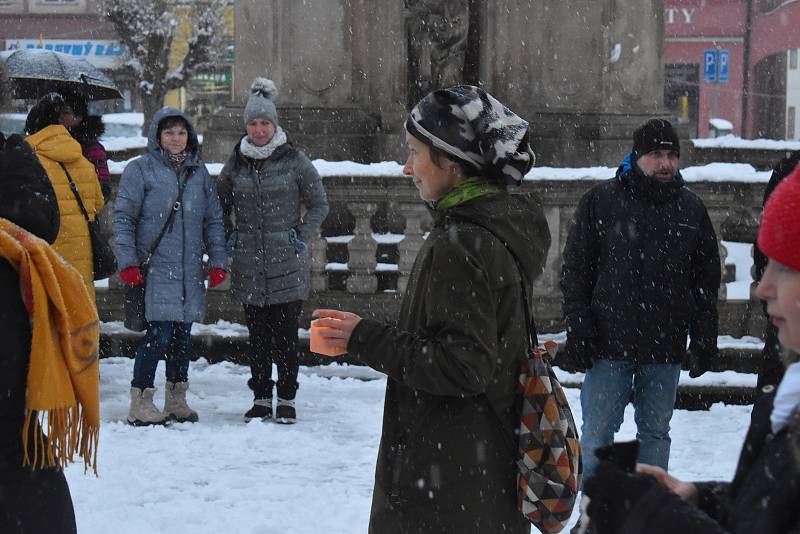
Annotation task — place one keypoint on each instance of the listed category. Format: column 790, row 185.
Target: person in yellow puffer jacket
column 46, row 127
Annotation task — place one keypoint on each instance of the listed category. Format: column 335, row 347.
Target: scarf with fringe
column 63, row 390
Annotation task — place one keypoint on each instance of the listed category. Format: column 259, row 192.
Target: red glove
column 216, row 276
column 131, row 276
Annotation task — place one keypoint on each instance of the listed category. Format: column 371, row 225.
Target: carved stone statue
column 437, row 42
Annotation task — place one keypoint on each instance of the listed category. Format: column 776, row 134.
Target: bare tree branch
column 147, row 28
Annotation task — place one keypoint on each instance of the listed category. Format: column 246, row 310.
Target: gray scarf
column 252, row 151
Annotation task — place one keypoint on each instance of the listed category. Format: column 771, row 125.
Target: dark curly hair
column 90, row 129
column 46, row 112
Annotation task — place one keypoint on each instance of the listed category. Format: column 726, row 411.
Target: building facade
column 71, row 26
column 78, row 28
column 734, row 60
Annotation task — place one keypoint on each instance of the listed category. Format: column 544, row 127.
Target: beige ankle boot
column 142, row 411
column 175, row 406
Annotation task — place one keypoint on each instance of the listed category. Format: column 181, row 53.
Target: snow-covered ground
column 315, row 477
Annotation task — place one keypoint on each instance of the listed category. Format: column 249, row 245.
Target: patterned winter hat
column 261, row 104
column 655, row 134
column 779, row 233
column 471, row 125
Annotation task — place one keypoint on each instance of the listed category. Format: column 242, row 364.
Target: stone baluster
column 415, row 213
column 723, row 255
column 362, row 249
column 318, row 259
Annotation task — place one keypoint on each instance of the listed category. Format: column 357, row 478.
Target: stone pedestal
column 585, row 73
column 340, row 71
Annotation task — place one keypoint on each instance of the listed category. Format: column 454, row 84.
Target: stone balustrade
column 351, row 272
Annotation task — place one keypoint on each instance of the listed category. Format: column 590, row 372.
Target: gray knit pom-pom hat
column 261, row 104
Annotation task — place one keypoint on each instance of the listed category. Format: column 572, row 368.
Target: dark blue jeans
column 606, row 391
column 163, row 339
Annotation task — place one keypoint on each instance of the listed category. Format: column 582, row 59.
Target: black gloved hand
column 613, row 494
column 699, row 362
column 578, row 354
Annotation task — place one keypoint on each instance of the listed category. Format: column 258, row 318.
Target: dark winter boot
column 285, row 413
column 175, row 406
column 142, row 411
column 262, row 409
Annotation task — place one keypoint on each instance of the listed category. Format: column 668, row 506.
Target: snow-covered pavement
column 224, row 476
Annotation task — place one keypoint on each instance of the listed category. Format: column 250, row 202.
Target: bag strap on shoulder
column 75, row 192
column 530, row 326
column 168, row 223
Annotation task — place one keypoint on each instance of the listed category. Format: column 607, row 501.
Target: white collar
column 787, row 399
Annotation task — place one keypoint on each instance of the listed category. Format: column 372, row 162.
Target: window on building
column 793, row 58
column 791, row 114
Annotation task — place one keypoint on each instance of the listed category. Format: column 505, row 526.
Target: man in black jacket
column 641, row 273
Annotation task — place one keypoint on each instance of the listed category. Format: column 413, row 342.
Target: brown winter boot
column 142, row 411
column 175, row 406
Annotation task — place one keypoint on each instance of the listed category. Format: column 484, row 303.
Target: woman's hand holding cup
column 331, row 331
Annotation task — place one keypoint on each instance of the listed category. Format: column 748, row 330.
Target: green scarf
column 469, row 189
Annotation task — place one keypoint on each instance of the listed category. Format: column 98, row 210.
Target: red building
column 761, row 38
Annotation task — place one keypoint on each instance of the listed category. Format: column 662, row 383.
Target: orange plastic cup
column 321, row 344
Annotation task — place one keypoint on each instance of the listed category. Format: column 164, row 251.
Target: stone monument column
column 585, row 73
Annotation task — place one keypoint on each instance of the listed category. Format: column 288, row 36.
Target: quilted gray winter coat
column 263, row 201
column 147, row 190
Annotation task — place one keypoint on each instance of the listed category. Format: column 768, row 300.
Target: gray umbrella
column 35, row 72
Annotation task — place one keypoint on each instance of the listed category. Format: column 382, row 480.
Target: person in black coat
column 641, row 272
column 771, row 368
column 764, row 495
column 447, row 461
column 31, row 500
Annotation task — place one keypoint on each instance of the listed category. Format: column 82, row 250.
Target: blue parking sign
column 722, row 66
column 710, row 66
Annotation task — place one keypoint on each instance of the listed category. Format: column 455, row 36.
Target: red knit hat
column 779, row 234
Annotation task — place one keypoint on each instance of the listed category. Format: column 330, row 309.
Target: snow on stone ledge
column 725, row 172
column 732, row 141
column 350, row 168
column 713, row 172
column 721, row 124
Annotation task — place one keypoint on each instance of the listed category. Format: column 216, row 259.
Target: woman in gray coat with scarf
column 170, row 176
column 274, row 203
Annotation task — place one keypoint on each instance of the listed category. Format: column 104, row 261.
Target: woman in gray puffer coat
column 175, row 290
column 264, row 188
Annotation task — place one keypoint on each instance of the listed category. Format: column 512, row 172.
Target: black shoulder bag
column 104, row 263
column 134, row 295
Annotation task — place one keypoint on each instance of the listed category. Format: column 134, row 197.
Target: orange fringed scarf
column 63, row 374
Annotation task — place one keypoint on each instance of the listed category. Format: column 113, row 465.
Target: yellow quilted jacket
column 52, row 145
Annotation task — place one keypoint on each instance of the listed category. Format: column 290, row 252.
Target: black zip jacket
column 642, row 271
column 763, row 496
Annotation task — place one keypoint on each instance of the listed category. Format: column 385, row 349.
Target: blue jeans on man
column 606, row 392
column 163, row 339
